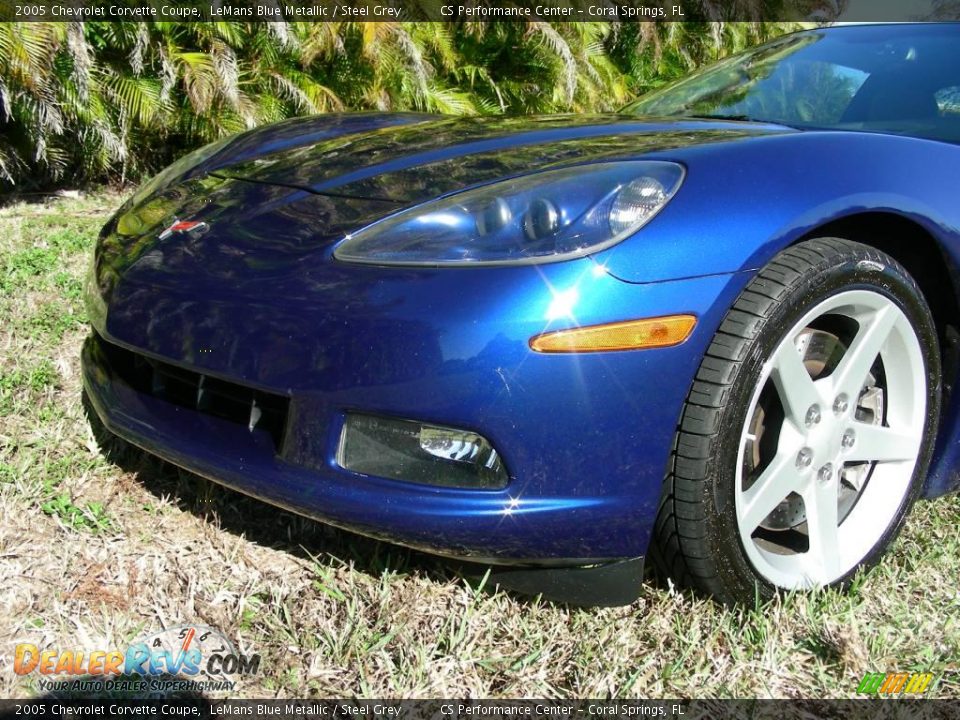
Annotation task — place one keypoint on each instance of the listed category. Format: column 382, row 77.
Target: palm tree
column 114, row 100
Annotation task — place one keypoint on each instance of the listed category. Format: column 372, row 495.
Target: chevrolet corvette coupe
column 717, row 330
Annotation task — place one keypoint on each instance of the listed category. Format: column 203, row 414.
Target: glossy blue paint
column 758, row 195
column 576, row 432
column 259, row 300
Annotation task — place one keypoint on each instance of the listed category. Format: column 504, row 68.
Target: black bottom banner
column 481, row 709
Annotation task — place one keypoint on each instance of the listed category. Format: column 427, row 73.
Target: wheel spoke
column 882, row 444
column 852, row 371
column 779, row 479
column 820, row 504
column 794, row 384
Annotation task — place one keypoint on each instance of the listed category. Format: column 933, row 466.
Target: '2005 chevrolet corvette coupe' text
column 717, row 329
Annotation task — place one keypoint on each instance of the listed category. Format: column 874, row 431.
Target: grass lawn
column 99, row 543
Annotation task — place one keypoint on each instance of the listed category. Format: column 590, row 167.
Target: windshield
column 898, row 78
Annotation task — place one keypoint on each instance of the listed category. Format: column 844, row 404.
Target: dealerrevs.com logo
column 183, row 658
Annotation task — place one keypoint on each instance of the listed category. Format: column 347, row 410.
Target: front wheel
column 808, row 430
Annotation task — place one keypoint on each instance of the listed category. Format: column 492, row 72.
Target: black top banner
column 632, row 11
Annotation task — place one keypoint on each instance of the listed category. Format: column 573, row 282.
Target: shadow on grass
column 324, row 545
column 259, row 522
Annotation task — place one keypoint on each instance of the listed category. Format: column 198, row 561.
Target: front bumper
column 586, row 438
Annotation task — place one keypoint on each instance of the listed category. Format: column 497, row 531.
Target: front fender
column 743, row 202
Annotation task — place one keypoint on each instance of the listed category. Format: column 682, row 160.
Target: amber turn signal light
column 627, row 335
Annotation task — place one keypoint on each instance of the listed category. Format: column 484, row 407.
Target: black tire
column 696, row 538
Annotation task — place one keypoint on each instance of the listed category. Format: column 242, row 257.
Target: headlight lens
column 637, row 201
column 542, row 217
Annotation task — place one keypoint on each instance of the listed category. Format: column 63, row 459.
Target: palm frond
column 101, row 99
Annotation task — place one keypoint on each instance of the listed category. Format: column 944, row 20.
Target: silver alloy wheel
column 822, row 433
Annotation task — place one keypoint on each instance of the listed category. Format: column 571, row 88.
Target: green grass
column 99, row 541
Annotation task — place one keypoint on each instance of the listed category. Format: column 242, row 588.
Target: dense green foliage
column 94, row 101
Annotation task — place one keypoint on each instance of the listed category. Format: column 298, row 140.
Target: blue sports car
column 717, row 330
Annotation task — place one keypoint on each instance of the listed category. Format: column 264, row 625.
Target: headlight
column 542, row 217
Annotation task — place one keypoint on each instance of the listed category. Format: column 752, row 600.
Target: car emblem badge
column 184, row 226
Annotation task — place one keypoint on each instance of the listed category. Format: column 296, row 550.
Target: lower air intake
column 253, row 409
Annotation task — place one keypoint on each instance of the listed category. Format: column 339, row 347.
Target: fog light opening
column 419, row 453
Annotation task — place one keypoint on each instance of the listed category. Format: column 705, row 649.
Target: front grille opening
column 253, row 409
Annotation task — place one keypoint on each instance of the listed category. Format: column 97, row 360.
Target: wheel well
column 919, row 252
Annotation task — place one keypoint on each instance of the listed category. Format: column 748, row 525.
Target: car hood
column 419, row 157
column 272, row 216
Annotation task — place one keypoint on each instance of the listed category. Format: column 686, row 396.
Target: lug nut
column 841, row 404
column 849, row 439
column 813, row 416
column 825, row 473
column 804, row 458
